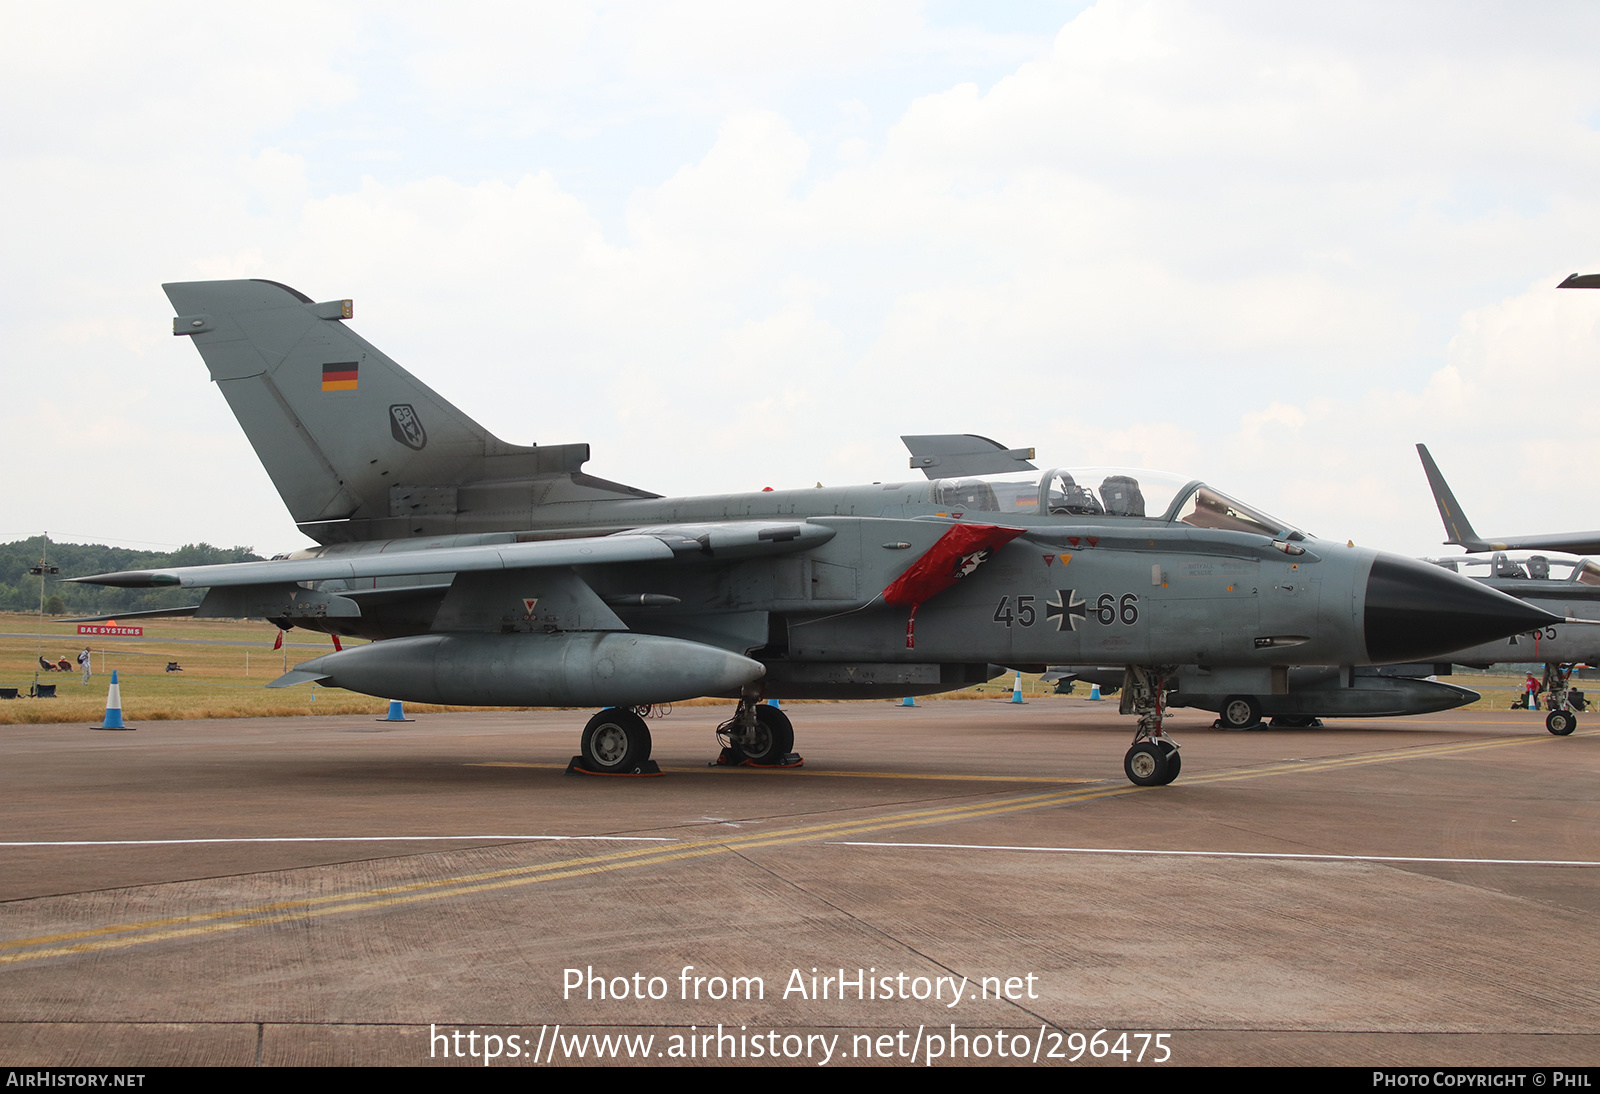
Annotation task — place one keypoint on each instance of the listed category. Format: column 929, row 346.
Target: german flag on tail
column 340, row 376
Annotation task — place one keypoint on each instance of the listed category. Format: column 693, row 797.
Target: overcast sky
column 734, row 245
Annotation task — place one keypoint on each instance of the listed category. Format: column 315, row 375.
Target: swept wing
column 743, row 539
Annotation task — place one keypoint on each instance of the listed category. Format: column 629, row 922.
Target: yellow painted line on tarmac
column 1332, row 763
column 1290, row 856
column 777, row 771
column 202, row 923
column 184, row 926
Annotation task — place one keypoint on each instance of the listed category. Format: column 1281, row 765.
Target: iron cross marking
column 1066, row 609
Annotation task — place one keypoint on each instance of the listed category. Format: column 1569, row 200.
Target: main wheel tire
column 1560, row 722
column 1174, row 760
column 1240, row 712
column 1145, row 765
column 771, row 740
column 615, row 740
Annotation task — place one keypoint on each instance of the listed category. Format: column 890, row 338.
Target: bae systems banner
column 110, row 628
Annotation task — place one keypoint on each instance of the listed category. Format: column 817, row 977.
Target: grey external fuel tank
column 575, row 669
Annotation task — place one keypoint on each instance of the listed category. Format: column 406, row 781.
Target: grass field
column 228, row 663
column 226, row 667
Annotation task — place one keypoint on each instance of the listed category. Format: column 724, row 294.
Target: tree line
column 19, row 590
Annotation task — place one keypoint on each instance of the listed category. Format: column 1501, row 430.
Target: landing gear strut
column 758, row 734
column 1154, row 759
column 1562, row 719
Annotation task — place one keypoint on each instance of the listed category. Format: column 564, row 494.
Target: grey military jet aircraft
column 1241, row 696
column 1567, row 588
column 501, row 574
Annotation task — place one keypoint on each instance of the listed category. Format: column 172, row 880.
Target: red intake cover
column 959, row 551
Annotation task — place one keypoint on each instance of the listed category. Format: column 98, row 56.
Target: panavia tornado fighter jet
column 1242, row 696
column 501, row 574
column 1567, row 588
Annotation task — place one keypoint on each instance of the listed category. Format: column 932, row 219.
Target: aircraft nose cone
column 1415, row 611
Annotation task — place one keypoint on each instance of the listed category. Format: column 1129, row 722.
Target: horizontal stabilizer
column 296, row 676
column 1581, row 281
column 284, row 601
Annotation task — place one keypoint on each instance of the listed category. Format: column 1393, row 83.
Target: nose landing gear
column 1153, row 760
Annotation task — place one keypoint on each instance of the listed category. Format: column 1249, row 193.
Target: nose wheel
column 1152, row 763
column 1561, row 722
column 1154, row 759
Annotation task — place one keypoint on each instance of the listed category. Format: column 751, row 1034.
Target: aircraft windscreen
column 1583, row 571
column 1208, row 508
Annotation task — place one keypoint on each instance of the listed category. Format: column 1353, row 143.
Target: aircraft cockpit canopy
column 1582, row 571
column 1208, row 508
column 1105, row 492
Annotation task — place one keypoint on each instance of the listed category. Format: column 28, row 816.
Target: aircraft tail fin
column 1456, row 525
column 357, row 447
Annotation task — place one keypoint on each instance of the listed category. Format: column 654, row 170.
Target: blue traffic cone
column 908, row 701
column 1094, row 693
column 397, row 712
column 113, row 706
column 1016, row 689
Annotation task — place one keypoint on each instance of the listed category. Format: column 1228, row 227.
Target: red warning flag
column 336, row 646
column 278, row 645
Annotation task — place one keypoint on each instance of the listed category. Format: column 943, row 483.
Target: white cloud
column 1272, row 247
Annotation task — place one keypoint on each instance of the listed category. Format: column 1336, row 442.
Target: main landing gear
column 1239, row 712
column 1154, row 759
column 615, row 742
column 758, row 735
